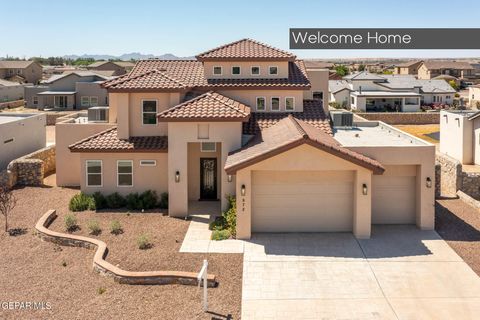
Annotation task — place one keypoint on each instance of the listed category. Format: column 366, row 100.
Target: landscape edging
column 101, row 266
column 468, row 199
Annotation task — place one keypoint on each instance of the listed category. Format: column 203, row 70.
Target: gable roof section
column 364, row 75
column 245, row 49
column 288, row 134
column 15, row 64
column 209, row 106
column 123, row 64
column 79, row 73
column 335, row 86
column 108, row 141
column 408, row 63
column 447, row 64
column 150, row 80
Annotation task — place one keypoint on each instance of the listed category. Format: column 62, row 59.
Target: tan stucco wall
column 476, row 141
column 245, row 69
column 423, row 72
column 341, row 97
column 300, row 159
column 194, row 155
column 474, row 97
column 229, row 134
column 144, row 178
column 319, row 83
column 68, row 173
column 249, row 97
column 456, row 137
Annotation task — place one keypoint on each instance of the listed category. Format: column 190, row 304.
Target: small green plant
column 100, row 201
column 115, row 201
column 143, row 242
column 116, row 227
column 71, row 222
column 81, row 202
column 164, row 200
column 221, row 234
column 101, row 290
column 149, row 199
column 230, row 215
column 94, row 227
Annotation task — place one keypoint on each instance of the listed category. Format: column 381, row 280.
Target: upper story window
column 255, row 71
column 273, row 70
column 85, row 101
column 275, row 103
column 149, row 111
column 94, row 101
column 217, row 70
column 289, row 103
column 236, row 70
column 260, row 103
column 35, row 100
column 125, row 173
column 94, row 173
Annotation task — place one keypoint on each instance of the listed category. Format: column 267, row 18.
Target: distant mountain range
column 127, row 56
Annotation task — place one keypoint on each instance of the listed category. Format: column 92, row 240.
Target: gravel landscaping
column 32, row 270
column 459, row 224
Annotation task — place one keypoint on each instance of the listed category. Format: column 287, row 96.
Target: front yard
column 38, row 271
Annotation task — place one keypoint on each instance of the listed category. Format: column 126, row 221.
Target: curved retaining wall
column 105, row 268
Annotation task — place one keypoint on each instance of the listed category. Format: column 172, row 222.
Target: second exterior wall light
column 428, row 182
column 243, row 190
column 364, row 189
column 177, row 176
column 229, row 178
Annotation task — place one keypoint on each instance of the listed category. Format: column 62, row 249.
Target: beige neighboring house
column 10, row 91
column 430, row 69
column 118, row 68
column 460, row 135
column 21, row 71
column 474, row 96
column 407, row 68
column 246, row 119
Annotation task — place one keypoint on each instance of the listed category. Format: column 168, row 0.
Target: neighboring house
column 315, row 64
column 407, row 68
column 72, row 90
column 365, row 91
column 21, row 71
column 432, row 68
column 474, row 96
column 241, row 120
column 117, row 67
column 10, row 91
column 460, row 135
column 20, row 134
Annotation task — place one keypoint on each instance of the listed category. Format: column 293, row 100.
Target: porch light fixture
column 364, row 189
column 229, row 178
column 243, row 190
column 429, row 182
column 177, row 176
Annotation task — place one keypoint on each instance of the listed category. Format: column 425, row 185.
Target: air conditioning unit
column 98, row 114
column 341, row 119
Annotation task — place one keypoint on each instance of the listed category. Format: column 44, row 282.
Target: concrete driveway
column 400, row 273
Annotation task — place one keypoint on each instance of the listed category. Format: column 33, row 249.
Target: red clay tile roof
column 180, row 74
column 210, row 106
column 312, row 114
column 108, row 141
column 287, row 134
column 245, row 49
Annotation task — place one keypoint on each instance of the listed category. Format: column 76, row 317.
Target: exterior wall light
column 428, row 182
column 364, row 189
column 229, row 178
column 243, row 191
column 177, row 176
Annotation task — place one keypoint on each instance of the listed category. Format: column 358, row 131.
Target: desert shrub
column 100, row 201
column 81, row 202
column 149, row 199
column 70, row 222
column 221, row 234
column 115, row 201
column 133, row 201
column 94, row 227
column 230, row 215
column 334, row 104
column 116, row 227
column 164, row 200
column 218, row 224
column 143, row 242
column 101, row 290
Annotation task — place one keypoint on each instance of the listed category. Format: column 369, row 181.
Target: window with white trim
column 255, row 71
column 149, row 111
column 125, row 173
column 94, row 173
column 273, row 70
column 35, row 100
column 289, row 103
column 236, row 70
column 217, row 70
column 260, row 103
column 94, row 101
column 275, row 103
column 208, row 147
column 85, row 101
column 148, row 163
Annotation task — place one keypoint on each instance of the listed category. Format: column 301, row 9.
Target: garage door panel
column 300, row 201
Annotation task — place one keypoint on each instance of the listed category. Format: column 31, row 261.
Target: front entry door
column 208, row 179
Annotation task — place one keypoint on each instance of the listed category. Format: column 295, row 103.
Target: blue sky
column 185, row 28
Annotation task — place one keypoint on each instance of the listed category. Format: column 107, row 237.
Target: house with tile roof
column 408, row 67
column 432, row 68
column 249, row 120
column 365, row 91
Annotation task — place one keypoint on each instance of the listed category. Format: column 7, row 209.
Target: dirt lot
column 32, row 270
column 427, row 132
column 459, row 224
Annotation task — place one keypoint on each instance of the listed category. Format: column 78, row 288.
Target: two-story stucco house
column 242, row 120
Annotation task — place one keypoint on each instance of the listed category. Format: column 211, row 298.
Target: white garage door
column 302, row 201
column 393, row 196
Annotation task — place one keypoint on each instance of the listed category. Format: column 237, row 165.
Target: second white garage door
column 302, row 201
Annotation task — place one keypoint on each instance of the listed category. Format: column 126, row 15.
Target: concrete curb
column 105, row 268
